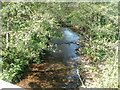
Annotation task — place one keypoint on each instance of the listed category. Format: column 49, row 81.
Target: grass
column 100, row 63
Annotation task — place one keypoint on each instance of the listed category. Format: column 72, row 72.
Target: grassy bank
column 26, row 32
column 99, row 64
column 100, row 51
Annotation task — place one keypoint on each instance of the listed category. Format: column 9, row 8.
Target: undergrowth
column 102, row 45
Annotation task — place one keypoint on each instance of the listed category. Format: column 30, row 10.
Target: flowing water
column 60, row 67
column 65, row 53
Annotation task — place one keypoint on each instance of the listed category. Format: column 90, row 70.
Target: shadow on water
column 65, row 53
column 59, row 68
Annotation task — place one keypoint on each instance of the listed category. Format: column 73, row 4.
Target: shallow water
column 65, row 53
column 59, row 67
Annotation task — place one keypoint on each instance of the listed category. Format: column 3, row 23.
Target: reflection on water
column 65, row 53
column 68, row 37
column 66, row 46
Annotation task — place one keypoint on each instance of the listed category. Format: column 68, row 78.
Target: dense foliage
column 102, row 43
column 28, row 27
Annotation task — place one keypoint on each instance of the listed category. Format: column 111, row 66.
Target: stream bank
column 99, row 60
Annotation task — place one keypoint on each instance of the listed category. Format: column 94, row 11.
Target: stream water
column 60, row 67
column 65, row 53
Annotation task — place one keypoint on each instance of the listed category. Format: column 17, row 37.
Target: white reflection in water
column 70, row 36
column 66, row 47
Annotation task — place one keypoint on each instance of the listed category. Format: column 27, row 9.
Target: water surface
column 65, row 53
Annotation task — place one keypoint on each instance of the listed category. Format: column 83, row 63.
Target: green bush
column 29, row 27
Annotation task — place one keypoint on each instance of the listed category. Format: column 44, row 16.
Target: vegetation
column 25, row 35
column 28, row 27
column 103, row 46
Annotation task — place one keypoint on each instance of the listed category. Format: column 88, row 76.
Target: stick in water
column 80, row 78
